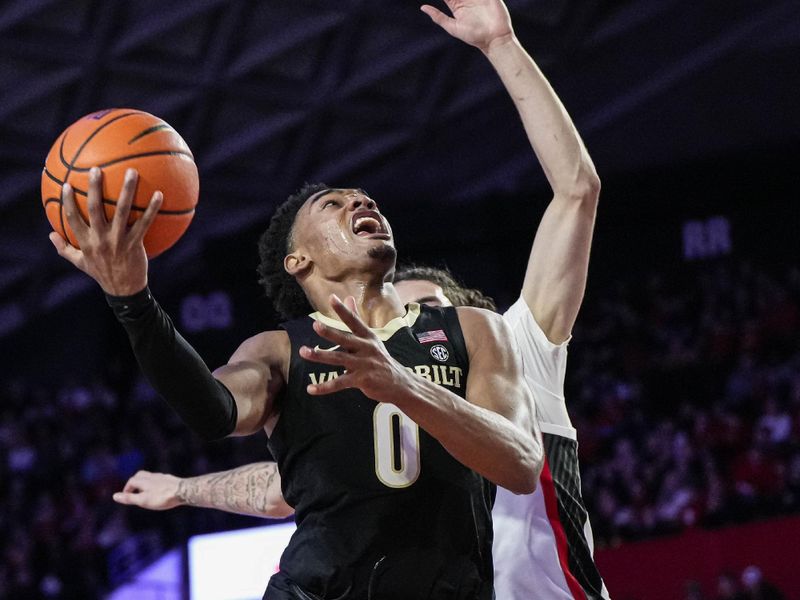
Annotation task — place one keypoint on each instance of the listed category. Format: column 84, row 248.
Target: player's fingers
column 350, row 303
column 94, row 200
column 66, row 250
column 74, row 218
column 140, row 227
column 328, row 357
column 349, row 318
column 119, row 224
column 345, row 339
column 438, row 17
column 337, row 384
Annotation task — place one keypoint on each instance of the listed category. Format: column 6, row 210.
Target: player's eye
column 327, row 203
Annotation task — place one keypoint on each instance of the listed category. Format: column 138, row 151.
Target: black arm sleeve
column 174, row 368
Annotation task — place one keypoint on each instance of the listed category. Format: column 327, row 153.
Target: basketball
column 116, row 140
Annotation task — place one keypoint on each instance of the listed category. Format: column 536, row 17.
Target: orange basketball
column 116, row 140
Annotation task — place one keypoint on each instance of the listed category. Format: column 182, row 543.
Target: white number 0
column 397, row 465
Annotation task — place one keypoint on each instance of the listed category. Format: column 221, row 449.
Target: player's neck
column 377, row 302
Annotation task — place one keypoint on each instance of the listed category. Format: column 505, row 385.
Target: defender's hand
column 479, row 23
column 368, row 365
column 110, row 252
column 153, row 491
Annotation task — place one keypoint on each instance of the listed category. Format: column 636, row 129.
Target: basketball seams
column 133, row 156
column 150, row 130
column 111, row 201
column 70, row 166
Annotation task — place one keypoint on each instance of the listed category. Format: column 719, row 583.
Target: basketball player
column 352, row 396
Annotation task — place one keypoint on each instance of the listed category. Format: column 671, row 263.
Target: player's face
column 421, row 291
column 341, row 224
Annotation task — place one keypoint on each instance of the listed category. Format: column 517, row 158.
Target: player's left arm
column 253, row 489
column 555, row 278
column 489, row 432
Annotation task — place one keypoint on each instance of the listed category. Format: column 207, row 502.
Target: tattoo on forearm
column 245, row 490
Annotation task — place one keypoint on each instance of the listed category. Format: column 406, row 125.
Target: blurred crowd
column 685, row 393
column 751, row 584
column 685, row 390
column 63, row 452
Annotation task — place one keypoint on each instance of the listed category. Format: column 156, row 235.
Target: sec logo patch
column 440, row 353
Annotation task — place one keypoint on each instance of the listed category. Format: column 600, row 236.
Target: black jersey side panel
column 562, row 456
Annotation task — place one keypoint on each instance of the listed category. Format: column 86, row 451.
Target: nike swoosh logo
column 318, row 349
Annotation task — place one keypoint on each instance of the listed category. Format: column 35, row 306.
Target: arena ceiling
column 269, row 94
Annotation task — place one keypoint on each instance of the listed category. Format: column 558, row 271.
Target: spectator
column 758, row 588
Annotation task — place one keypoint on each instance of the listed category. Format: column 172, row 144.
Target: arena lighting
column 235, row 565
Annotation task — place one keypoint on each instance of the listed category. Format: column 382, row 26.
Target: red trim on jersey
column 551, row 506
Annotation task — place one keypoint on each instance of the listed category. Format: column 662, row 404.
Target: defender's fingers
column 74, row 218
column 134, row 484
column 126, row 498
column 94, row 200
column 119, row 224
column 140, row 227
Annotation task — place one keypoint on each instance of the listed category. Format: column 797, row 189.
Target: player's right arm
column 253, row 489
column 237, row 398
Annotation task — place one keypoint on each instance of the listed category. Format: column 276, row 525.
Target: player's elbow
column 579, row 187
column 526, row 474
column 278, row 509
column 586, row 190
column 524, row 483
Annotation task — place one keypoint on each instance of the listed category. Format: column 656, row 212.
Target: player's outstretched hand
column 368, row 365
column 110, row 252
column 153, row 491
column 479, row 23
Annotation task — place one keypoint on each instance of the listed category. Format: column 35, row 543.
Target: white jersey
column 543, row 541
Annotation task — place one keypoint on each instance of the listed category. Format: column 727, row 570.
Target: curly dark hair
column 452, row 288
column 276, row 242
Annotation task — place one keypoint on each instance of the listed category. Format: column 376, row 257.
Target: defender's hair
column 452, row 288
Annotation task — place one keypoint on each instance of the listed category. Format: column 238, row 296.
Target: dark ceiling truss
column 272, row 93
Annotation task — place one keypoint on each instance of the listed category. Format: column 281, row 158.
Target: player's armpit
column 255, row 375
column 493, row 356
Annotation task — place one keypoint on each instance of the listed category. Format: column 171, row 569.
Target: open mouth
column 368, row 223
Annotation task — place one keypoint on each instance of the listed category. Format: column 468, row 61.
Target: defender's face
column 342, row 223
column 421, row 291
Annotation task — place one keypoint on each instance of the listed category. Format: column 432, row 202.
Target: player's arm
column 490, row 432
column 555, row 278
column 239, row 397
column 253, row 489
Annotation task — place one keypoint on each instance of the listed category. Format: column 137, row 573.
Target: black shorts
column 397, row 580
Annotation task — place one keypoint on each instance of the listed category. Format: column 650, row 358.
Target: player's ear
column 296, row 262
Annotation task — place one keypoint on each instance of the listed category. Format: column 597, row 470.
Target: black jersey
column 383, row 511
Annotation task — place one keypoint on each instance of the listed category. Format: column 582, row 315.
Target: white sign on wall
column 236, row 565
